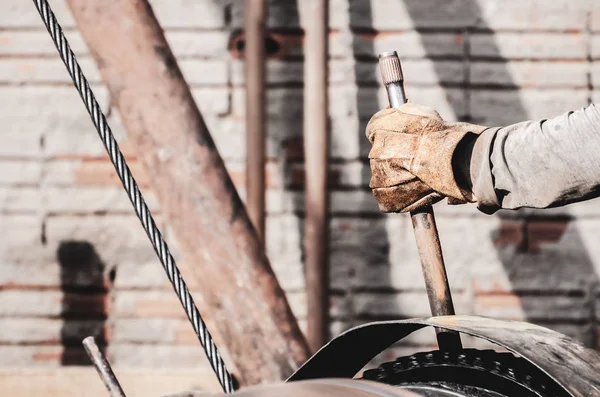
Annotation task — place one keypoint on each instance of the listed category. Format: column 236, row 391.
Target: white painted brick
column 28, row 118
column 423, row 71
column 392, row 15
column 19, row 14
column 30, row 303
column 566, row 265
column 229, row 135
column 290, row 14
column 417, row 71
column 29, row 356
column 146, row 303
column 142, row 273
column 51, row 303
column 19, row 199
column 40, row 330
column 157, row 356
column 507, row 107
column 382, row 253
column 43, row 70
column 281, row 103
column 595, row 20
column 37, row 42
column 146, row 330
column 20, row 172
column 402, row 304
column 198, row 44
column 278, row 71
column 212, row 101
column 61, row 172
column 81, row 138
column 596, row 73
column 21, row 246
column 280, row 201
column 204, row 14
column 529, row 45
column 207, row 72
column 410, row 44
column 449, row 102
column 281, row 14
column 530, row 74
column 532, row 308
column 65, row 200
column 533, row 15
column 284, row 234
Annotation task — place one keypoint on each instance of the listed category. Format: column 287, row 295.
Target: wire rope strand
column 134, row 194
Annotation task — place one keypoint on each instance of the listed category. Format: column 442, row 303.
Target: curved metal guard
column 573, row 366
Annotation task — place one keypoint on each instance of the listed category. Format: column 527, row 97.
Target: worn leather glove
column 412, row 158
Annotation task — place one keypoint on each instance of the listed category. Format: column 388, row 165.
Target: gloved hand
column 412, row 158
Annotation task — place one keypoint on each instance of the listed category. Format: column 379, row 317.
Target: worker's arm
column 539, row 164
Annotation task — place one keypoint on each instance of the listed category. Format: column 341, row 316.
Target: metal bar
column 103, row 367
column 238, row 287
column 254, row 55
column 316, row 152
column 423, row 221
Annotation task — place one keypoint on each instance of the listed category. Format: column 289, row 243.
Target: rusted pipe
column 423, row 221
column 254, row 54
column 316, row 152
column 103, row 367
column 241, row 299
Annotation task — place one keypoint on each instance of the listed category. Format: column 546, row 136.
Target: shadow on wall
column 85, row 285
column 548, row 270
column 542, row 252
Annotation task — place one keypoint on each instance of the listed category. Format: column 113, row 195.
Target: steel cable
column 134, row 193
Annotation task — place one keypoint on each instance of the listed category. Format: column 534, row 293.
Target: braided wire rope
column 134, row 193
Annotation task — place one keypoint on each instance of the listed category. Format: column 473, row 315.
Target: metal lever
column 426, row 234
column 103, row 367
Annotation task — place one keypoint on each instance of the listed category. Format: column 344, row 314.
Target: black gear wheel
column 467, row 372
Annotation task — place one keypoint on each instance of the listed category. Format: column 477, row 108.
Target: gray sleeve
column 538, row 164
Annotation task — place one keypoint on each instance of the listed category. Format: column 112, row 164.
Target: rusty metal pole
column 316, row 152
column 245, row 304
column 103, row 367
column 423, row 221
column 254, row 55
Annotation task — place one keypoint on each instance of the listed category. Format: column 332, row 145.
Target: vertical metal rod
column 103, row 367
column 423, row 221
column 316, row 152
column 254, row 53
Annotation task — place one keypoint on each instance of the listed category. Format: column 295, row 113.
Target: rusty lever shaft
column 426, row 234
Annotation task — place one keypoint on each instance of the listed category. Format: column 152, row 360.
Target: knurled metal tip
column 391, row 71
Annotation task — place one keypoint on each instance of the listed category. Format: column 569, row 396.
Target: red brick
column 544, row 232
column 293, row 148
column 509, row 232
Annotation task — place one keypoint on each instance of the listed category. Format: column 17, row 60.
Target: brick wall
column 74, row 260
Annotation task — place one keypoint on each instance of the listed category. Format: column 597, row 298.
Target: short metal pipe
column 316, row 153
column 254, row 55
column 103, row 367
